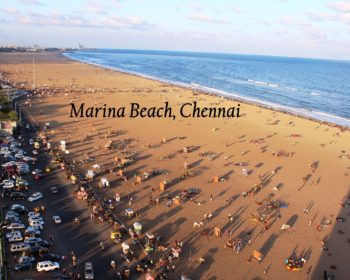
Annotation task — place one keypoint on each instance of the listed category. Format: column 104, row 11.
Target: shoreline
column 222, row 94
column 295, row 161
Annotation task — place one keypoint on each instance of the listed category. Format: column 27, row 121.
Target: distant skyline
column 313, row 28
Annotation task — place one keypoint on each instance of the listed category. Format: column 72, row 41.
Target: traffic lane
column 83, row 240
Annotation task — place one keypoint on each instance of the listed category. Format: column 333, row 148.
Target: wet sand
column 216, row 146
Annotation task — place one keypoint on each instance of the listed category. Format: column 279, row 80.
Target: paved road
column 83, row 240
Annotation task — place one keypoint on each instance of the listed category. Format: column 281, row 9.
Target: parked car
column 47, row 266
column 19, row 247
column 35, row 196
column 53, row 190
column 15, row 226
column 18, row 208
column 13, row 233
column 11, row 214
column 43, row 243
column 26, row 259
column 32, row 230
column 33, row 214
column 38, row 224
column 49, row 257
column 18, row 196
column 31, row 240
column 15, row 238
column 89, row 271
column 57, row 219
column 26, row 265
column 32, row 219
column 32, row 250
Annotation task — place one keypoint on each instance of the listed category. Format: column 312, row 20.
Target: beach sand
column 216, row 146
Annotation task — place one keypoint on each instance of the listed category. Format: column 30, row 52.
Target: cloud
column 289, row 20
column 236, row 9
column 336, row 17
column 343, row 7
column 80, row 20
column 95, row 8
column 320, row 16
column 263, row 22
column 10, row 11
column 205, row 18
column 195, row 7
column 312, row 32
column 315, row 33
column 31, row 2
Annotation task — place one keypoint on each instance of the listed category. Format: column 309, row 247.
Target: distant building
column 7, row 128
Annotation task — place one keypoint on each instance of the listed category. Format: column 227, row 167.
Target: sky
column 301, row 28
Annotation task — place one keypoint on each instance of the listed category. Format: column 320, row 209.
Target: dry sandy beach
column 278, row 150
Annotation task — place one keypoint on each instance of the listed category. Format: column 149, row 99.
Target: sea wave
column 316, row 115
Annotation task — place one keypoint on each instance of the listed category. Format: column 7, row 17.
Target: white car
column 37, row 171
column 35, row 152
column 39, row 219
column 33, row 214
column 16, row 238
column 32, row 230
column 38, row 224
column 35, row 196
column 31, row 142
column 13, row 233
column 30, row 240
column 15, row 226
column 19, row 155
column 7, row 182
column 11, row 214
column 47, row 266
column 26, row 259
column 16, row 207
column 28, row 159
column 57, row 219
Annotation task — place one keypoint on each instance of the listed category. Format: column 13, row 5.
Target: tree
column 12, row 115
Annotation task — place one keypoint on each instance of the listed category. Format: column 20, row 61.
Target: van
column 19, row 247
column 89, row 271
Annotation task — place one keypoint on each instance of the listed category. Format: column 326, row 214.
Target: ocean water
column 316, row 88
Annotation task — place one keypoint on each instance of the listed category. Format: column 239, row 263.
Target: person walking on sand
column 113, row 265
column 211, row 198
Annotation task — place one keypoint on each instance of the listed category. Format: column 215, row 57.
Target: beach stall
column 245, row 172
column 162, row 185
column 63, row 145
column 125, row 248
column 115, row 235
column 129, row 213
column 117, row 197
column 90, row 174
column 176, row 251
column 138, row 180
column 82, row 194
column 294, row 264
column 149, row 276
column 137, row 228
column 96, row 167
column 109, row 146
column 104, row 182
column 257, row 256
column 36, row 145
column 74, row 179
column 150, row 238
